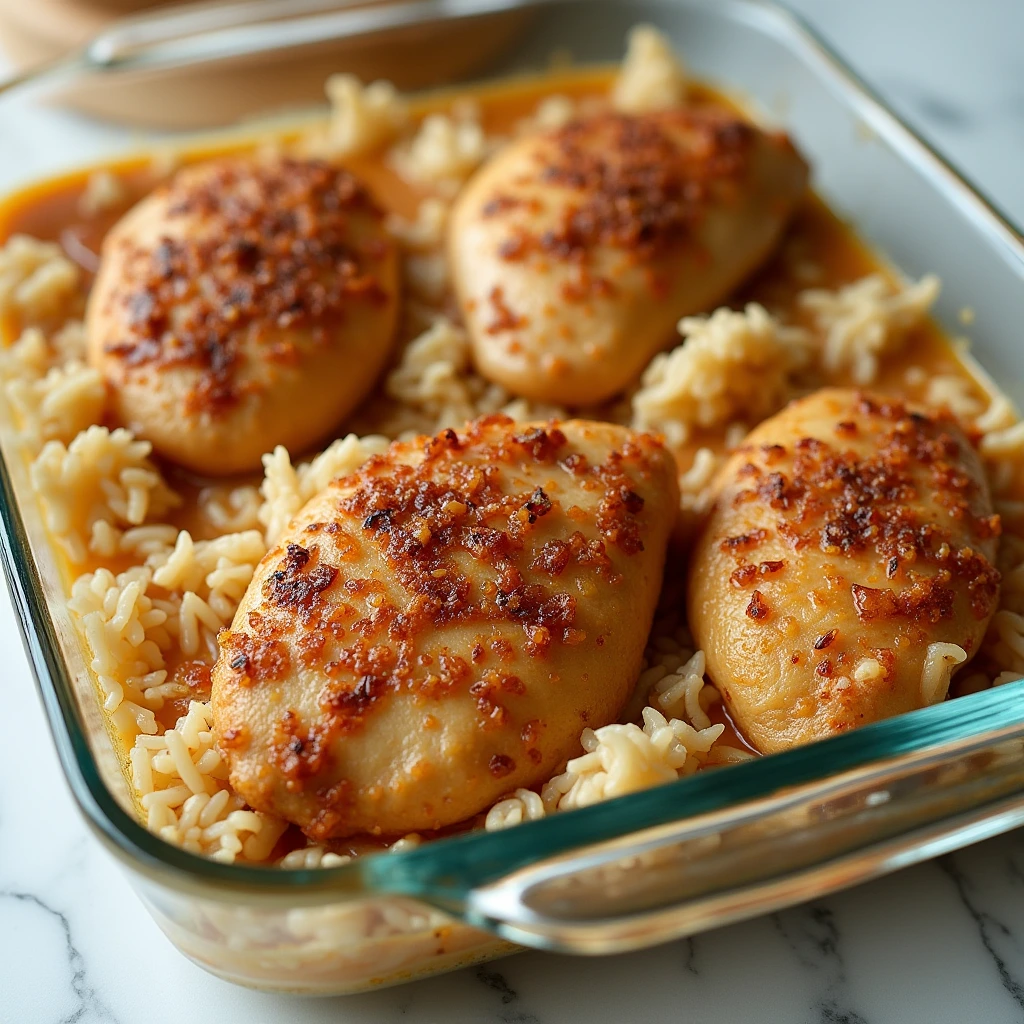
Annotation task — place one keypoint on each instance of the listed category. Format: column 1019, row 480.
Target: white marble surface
column 941, row 942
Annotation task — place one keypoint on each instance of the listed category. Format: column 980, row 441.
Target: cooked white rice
column 38, row 283
column 104, row 191
column 940, row 663
column 675, row 738
column 732, row 365
column 60, row 405
column 695, row 482
column 286, row 488
column 866, row 320
column 426, row 232
column 552, row 112
column 363, row 117
column 181, row 781
column 102, row 480
column 228, row 509
column 652, row 76
column 444, row 152
column 28, row 357
column 435, row 386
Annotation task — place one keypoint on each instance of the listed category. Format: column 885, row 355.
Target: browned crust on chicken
column 275, row 253
column 642, row 188
column 846, row 503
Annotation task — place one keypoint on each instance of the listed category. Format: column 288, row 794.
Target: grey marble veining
column 940, row 942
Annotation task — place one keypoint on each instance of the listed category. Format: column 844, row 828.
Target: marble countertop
column 940, row 942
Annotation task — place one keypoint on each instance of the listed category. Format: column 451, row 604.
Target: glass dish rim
column 144, row 851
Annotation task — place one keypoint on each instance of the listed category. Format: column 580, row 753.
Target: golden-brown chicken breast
column 575, row 252
column 437, row 629
column 849, row 535
column 249, row 302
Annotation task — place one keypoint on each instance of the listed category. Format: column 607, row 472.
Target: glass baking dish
column 708, row 849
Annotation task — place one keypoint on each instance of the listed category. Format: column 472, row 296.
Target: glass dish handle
column 763, row 849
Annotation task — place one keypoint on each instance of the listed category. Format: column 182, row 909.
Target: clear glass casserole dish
column 654, row 865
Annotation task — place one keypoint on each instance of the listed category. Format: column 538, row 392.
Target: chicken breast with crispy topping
column 846, row 567
column 437, row 629
column 574, row 252
column 250, row 302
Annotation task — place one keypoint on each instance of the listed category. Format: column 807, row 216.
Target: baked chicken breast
column 250, row 302
column 574, row 252
column 437, row 629
column 851, row 544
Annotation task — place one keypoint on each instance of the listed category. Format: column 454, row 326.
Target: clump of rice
column 652, row 76
column 999, row 415
column 444, row 152
column 227, row 509
column 38, row 283
column 552, row 112
column 426, row 232
column 308, row 857
column 1004, row 643
column 138, row 623
column 622, row 759
column 993, row 416
column 181, row 781
column 675, row 737
column 425, row 264
column 53, row 394
column 1002, row 449
column 136, row 542
column 434, row 378
column 127, row 632
column 59, row 405
column 102, row 480
column 867, row 320
column 340, row 927
column 104, row 191
column 27, row 358
column 286, row 488
column 953, row 393
column 1011, row 566
column 69, row 342
column 732, row 365
column 199, row 565
column 210, row 576
column 1005, row 444
column 940, row 662
column 363, row 117
column 522, row 805
column 695, row 494
column 435, row 386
